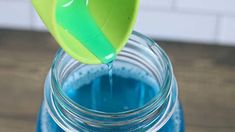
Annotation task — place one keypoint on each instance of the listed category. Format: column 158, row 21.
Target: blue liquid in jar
column 129, row 90
column 125, row 93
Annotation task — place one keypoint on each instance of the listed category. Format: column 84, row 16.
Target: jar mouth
column 139, row 51
column 142, row 42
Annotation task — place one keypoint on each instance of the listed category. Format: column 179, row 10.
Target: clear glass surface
column 143, row 95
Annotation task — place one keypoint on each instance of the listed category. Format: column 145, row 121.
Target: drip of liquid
column 73, row 16
column 110, row 70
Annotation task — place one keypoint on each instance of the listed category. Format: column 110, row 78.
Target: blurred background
column 209, row 21
column 198, row 36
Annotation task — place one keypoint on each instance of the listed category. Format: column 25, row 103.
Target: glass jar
column 142, row 96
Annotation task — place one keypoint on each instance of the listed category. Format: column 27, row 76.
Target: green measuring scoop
column 91, row 31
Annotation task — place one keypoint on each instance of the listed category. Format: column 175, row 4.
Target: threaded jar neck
column 142, row 53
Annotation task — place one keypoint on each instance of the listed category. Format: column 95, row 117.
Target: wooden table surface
column 206, row 76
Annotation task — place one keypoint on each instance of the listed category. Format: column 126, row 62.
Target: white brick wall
column 211, row 21
column 226, row 30
column 15, row 14
column 160, row 4
column 213, row 6
column 177, row 26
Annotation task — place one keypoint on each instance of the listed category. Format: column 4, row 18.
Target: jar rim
column 155, row 100
column 161, row 107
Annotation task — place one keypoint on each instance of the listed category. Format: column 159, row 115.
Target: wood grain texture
column 206, row 77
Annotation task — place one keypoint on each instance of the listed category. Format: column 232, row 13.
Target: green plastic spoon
column 91, row 31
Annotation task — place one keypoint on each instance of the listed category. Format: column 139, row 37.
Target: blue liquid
column 126, row 93
column 122, row 95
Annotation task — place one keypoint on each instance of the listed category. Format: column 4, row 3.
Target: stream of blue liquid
column 112, row 91
column 110, row 70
